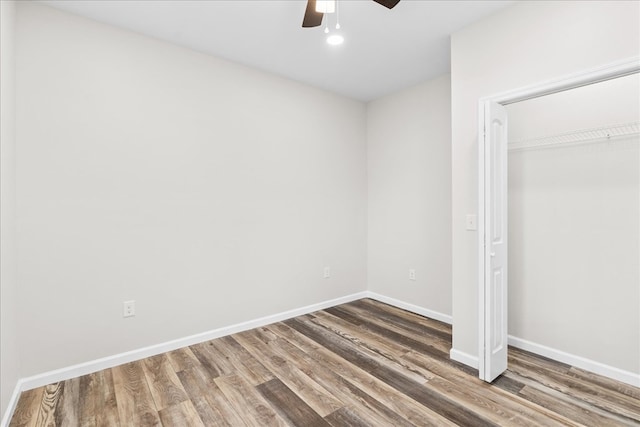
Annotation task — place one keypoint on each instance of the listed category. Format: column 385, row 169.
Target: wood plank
column 265, row 334
column 243, row 361
column 209, row 416
column 606, row 383
column 381, row 322
column 289, row 405
column 386, row 352
column 207, row 360
column 180, row 415
column 164, row 384
column 484, row 397
column 425, row 396
column 66, row 412
column 26, row 412
column 214, row 356
column 362, row 379
column 276, row 360
column 495, row 407
column 391, row 335
column 346, row 417
column 248, row 403
column 508, row 384
column 87, row 401
column 134, row 400
column 438, row 339
column 414, row 325
column 210, row 403
column 572, row 411
column 50, row 397
column 182, row 358
column 543, row 363
column 562, row 397
column 366, row 353
column 105, row 403
column 595, row 395
column 335, row 379
column 418, row 319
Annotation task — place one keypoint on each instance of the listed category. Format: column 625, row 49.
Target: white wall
column 409, row 195
column 212, row 193
column 209, row 192
column 608, row 103
column 574, row 214
column 9, row 355
column 524, row 44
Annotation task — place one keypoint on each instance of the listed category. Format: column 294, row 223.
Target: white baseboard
column 445, row 318
column 130, row 356
column 464, row 358
column 577, row 361
column 457, row 355
column 11, row 407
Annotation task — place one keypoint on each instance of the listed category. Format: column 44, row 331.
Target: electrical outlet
column 129, row 308
column 327, row 272
column 412, row 274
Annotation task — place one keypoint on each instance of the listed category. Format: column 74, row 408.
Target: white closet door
column 495, row 345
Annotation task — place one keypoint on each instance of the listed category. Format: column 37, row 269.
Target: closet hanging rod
column 582, row 136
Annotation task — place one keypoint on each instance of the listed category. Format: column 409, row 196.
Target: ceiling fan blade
column 387, row 3
column 311, row 17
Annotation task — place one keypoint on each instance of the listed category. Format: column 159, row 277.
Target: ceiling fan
column 313, row 17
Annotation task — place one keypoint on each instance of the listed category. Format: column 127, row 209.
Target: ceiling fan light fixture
column 325, row 6
column 335, row 39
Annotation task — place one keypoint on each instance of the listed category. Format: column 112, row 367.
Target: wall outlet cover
column 129, row 308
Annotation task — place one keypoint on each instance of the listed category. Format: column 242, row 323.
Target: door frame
column 594, row 75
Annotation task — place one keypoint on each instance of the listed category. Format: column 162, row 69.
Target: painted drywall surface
column 409, row 195
column 526, row 43
column 574, row 214
column 605, row 104
column 9, row 356
column 208, row 192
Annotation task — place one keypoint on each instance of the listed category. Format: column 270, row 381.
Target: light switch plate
column 326, row 272
column 472, row 222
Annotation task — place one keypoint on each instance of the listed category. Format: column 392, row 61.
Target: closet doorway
column 557, row 221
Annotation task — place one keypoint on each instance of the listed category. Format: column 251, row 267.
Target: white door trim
column 606, row 72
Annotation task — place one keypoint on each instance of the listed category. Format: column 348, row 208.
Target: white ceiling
column 384, row 50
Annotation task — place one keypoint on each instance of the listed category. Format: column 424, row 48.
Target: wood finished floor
column 359, row 364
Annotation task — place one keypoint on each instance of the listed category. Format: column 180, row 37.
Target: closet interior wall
column 574, row 214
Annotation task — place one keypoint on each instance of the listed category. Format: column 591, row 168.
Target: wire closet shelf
column 578, row 137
